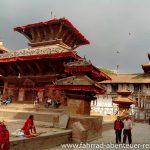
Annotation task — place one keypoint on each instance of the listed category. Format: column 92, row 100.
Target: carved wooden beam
column 63, row 35
column 26, row 36
column 2, row 71
column 52, row 66
column 46, row 77
column 45, row 33
column 30, row 68
column 20, row 69
column 68, row 38
column 42, row 33
column 12, row 69
column 33, row 34
column 59, row 30
column 75, row 45
column 39, row 68
column 72, row 42
column 51, row 33
column 39, row 37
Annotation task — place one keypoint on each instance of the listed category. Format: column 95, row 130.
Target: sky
column 118, row 30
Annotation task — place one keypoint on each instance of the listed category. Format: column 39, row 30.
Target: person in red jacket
column 118, row 126
column 4, row 137
column 29, row 127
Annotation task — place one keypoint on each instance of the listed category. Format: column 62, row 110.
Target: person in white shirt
column 49, row 102
column 127, row 130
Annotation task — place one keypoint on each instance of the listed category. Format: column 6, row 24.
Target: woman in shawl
column 29, row 127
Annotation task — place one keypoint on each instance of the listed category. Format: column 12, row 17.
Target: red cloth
column 4, row 138
column 118, row 124
column 30, row 136
column 5, row 146
column 28, row 127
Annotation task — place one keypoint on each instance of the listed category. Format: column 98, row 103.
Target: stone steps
column 38, row 116
column 30, row 107
column 42, row 142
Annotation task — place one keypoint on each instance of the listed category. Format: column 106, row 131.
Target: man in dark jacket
column 118, row 126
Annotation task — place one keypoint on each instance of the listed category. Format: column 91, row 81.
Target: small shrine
column 123, row 102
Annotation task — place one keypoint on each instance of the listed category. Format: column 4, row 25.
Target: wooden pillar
column 138, row 100
column 5, row 88
column 40, row 95
column 21, row 95
column 145, row 111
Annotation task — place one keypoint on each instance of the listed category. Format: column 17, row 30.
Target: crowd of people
column 6, row 100
column 126, row 126
column 52, row 103
column 49, row 103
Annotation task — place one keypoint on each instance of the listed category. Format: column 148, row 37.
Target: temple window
column 114, row 87
column 137, row 88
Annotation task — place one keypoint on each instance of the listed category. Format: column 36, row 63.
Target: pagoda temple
column 123, row 101
column 51, row 67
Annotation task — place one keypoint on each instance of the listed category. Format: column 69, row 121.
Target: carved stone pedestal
column 78, row 107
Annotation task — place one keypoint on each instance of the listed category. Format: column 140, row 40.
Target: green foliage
column 108, row 72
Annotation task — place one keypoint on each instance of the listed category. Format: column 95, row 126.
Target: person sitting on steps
column 7, row 101
column 55, row 103
column 29, row 127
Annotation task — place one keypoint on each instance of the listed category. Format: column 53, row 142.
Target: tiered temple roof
column 45, row 33
column 146, row 66
column 124, row 102
column 123, row 98
column 128, row 78
column 50, row 51
column 74, row 83
column 82, row 65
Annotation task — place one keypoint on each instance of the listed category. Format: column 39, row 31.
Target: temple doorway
column 30, row 96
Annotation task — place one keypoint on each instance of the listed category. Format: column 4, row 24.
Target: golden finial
column 1, row 43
